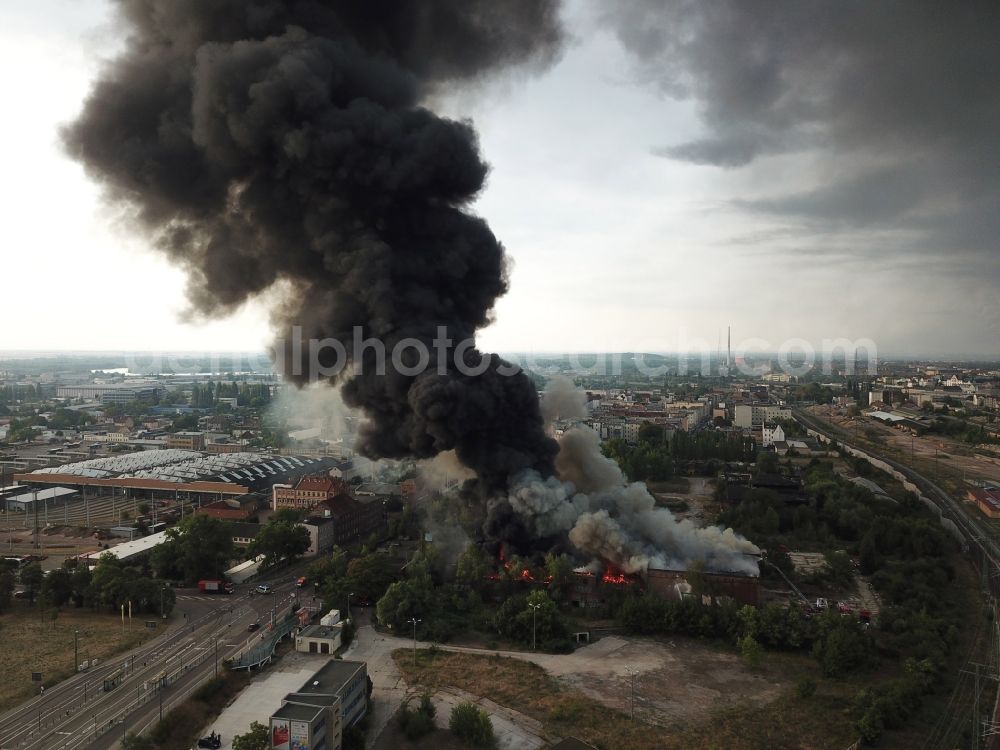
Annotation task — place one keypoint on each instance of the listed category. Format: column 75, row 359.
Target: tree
column 369, row 576
column 767, row 463
column 559, row 573
column 750, row 650
column 840, row 568
column 403, row 600
column 278, row 541
column 474, row 568
column 415, row 722
column 199, row 547
column 472, row 724
column 255, row 739
column 287, row 515
column 6, row 588
column 520, row 618
column 57, row 587
column 32, row 578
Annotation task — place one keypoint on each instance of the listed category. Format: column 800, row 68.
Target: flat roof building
column 316, row 715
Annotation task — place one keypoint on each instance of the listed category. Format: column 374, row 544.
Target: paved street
column 80, row 713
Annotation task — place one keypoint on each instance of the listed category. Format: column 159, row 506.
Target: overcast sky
column 809, row 174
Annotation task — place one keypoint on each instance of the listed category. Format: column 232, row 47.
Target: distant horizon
column 10, row 354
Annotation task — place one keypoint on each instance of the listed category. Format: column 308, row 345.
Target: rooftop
column 176, row 465
column 125, row 550
column 329, row 680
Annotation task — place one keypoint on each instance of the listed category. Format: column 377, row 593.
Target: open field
column 720, row 704
column 35, row 642
column 932, row 455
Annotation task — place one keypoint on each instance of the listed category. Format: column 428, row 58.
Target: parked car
column 213, row 741
column 253, row 626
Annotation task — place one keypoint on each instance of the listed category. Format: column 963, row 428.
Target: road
column 79, row 713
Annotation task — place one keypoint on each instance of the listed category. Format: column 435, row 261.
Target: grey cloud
column 896, row 102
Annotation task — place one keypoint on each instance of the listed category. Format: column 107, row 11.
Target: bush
column 419, row 721
column 750, row 650
column 806, row 688
column 346, row 634
column 558, row 646
column 471, row 724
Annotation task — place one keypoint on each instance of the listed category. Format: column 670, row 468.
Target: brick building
column 308, row 492
column 712, row 587
column 352, row 518
column 239, row 508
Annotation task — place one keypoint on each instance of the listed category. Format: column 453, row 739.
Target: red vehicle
column 215, row 587
column 301, row 582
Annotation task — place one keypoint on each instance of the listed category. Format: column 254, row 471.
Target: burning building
column 285, row 149
column 711, row 587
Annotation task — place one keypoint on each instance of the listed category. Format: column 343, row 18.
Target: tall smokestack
column 729, row 346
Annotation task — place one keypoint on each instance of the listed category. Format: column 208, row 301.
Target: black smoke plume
column 260, row 142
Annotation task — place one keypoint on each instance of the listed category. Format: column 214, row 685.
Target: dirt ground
column 34, row 642
column 57, row 543
column 929, row 448
column 677, row 680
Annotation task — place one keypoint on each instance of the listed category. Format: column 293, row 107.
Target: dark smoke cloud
column 260, row 142
column 892, row 105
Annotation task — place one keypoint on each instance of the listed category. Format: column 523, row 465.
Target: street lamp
column 414, row 622
column 534, row 612
column 632, row 672
column 349, row 605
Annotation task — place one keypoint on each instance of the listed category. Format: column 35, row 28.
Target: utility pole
column 414, row 621
column 76, row 651
column 534, row 612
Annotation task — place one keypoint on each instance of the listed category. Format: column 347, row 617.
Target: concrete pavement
column 262, row 697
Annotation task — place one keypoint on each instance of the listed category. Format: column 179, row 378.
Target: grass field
column 38, row 642
column 789, row 722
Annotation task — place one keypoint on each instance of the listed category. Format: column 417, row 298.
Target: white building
column 755, row 415
column 771, row 435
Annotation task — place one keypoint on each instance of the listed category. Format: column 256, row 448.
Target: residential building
column 112, row 393
column 321, row 530
column 754, row 414
column 771, row 434
column 243, row 533
column 188, row 441
column 352, row 519
column 221, row 448
column 308, row 492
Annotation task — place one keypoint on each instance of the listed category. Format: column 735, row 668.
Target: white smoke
column 617, row 522
column 561, row 399
column 444, row 471
column 319, row 409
